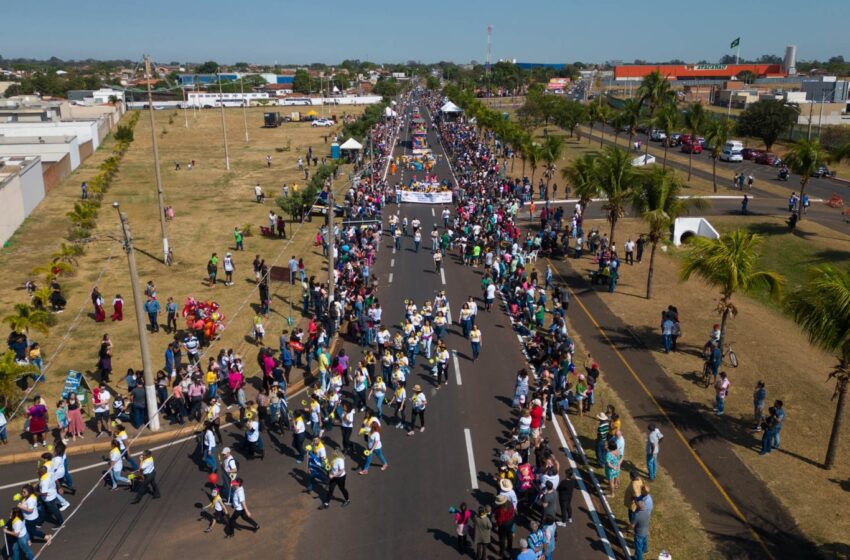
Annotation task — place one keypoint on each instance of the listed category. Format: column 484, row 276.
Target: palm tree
column 615, row 178
column 592, row 117
column 603, row 113
column 83, row 215
column 10, row 372
column 717, row 133
column 41, row 298
column 54, row 269
column 695, row 123
column 553, row 148
column 28, row 318
column 580, row 174
column 667, row 120
column 534, row 153
column 617, row 120
column 730, row 264
column 632, row 114
column 821, row 307
column 68, row 253
column 804, row 159
column 654, row 92
column 656, row 199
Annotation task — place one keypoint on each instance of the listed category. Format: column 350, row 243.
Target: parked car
column 657, row 135
column 321, row 208
column 767, row 158
column 674, row 140
column 695, row 148
column 322, row 122
column 731, row 155
column 822, row 171
column 750, row 153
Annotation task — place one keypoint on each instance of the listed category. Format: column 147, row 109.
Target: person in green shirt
column 237, row 235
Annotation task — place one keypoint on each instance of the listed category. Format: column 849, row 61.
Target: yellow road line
column 661, row 409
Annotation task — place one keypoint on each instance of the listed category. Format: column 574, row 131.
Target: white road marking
column 449, row 314
column 600, row 530
column 432, row 212
column 443, row 275
column 393, row 247
column 473, row 476
column 457, row 367
column 392, row 263
column 391, row 278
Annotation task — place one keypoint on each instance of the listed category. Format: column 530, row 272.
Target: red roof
column 690, row 71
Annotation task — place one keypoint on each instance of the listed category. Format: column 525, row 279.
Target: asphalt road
column 396, row 513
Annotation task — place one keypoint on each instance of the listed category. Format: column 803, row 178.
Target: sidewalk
column 736, row 508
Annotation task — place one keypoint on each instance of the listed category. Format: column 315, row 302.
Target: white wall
column 83, row 130
column 694, row 226
column 20, row 193
column 47, row 151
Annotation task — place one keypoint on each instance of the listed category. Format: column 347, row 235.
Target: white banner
column 443, row 197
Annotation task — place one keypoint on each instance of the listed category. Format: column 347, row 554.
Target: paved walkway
column 736, row 508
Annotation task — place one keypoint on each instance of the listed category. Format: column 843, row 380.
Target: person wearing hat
column 603, row 431
column 506, row 489
column 231, row 471
column 240, row 508
column 418, row 402
column 217, row 510
column 228, row 269
column 504, row 516
column 483, row 528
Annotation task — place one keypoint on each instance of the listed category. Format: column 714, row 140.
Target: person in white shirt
column 147, row 470
column 209, row 444
column 375, row 448
column 18, row 530
column 418, row 403
column 336, row 477
column 240, row 508
column 489, row 296
column 47, row 492
column 101, row 399
column 29, row 508
column 228, row 269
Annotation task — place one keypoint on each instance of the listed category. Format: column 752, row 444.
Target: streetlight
column 160, row 198
column 150, row 390
column 223, row 124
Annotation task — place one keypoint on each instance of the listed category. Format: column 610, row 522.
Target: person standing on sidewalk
column 640, row 527
column 504, row 516
column 653, row 439
column 602, row 432
column 721, row 388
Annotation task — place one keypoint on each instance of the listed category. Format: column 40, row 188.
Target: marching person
column 217, row 510
column 336, row 476
column 231, row 471
column 240, row 508
column 375, row 448
column 475, row 341
column 147, row 470
column 418, row 402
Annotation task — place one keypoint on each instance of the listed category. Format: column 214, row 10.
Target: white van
column 732, row 151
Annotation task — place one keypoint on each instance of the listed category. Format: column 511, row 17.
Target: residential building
column 21, row 189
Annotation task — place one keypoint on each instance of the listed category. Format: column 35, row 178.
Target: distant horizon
column 268, row 32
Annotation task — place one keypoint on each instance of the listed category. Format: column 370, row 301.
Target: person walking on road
column 475, row 341
column 653, row 440
column 240, row 508
column 565, row 498
column 147, row 470
column 418, row 403
column 217, row 510
column 438, row 261
column 375, row 448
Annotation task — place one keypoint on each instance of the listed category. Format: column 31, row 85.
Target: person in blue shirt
column 152, row 308
column 714, row 358
column 780, row 421
column 171, row 319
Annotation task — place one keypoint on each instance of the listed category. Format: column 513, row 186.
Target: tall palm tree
column 603, row 113
column 821, row 307
column 632, row 114
column 717, row 133
column 730, row 264
column 68, row 253
column 534, row 154
column 654, row 92
column 553, row 148
column 695, row 118
column 617, row 120
column 804, row 159
column 580, row 174
column 656, row 199
column 27, row 318
column 592, row 118
column 668, row 119
column 615, row 179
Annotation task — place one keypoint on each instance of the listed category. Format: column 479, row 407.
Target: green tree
column 821, row 307
column 804, row 158
column 695, row 121
column 83, row 215
column 10, row 372
column 717, row 133
column 767, row 119
column 604, row 114
column 730, row 264
column 534, row 154
column 656, row 198
column 208, row 67
column 632, row 115
column 654, row 92
column 667, row 119
column 615, row 178
column 68, row 253
column 581, row 175
column 746, row 76
column 432, row 83
column 553, row 148
column 301, row 83
column 26, row 319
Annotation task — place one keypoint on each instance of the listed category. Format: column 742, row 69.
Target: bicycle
column 730, row 353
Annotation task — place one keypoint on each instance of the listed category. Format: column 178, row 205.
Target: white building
column 21, row 189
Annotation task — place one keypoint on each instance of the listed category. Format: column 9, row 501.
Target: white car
column 731, row 155
column 322, row 122
column 657, row 135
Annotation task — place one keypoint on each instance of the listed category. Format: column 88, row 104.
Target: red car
column 767, row 158
column 695, row 148
column 750, row 153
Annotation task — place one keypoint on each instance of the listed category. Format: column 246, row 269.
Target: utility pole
column 162, row 224
column 185, row 112
column 223, row 124
column 329, row 220
column 244, row 106
column 150, row 389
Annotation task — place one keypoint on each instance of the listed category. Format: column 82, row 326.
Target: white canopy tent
column 351, row 144
column 450, row 107
column 388, row 112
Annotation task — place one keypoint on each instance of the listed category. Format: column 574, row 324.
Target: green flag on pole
column 735, row 43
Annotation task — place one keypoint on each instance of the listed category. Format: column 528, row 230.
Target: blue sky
column 268, row 31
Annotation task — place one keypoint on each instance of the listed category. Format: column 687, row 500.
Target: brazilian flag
column 735, row 43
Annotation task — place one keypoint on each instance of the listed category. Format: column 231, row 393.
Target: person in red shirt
column 504, row 515
column 536, row 420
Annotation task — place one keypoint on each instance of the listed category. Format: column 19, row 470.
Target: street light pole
column 223, row 124
column 147, row 367
column 244, row 106
column 331, row 241
column 160, row 197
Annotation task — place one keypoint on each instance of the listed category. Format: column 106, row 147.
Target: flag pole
column 737, row 58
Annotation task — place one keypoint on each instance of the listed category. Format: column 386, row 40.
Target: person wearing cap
column 506, row 489
column 418, row 402
column 230, row 469
column 504, row 516
column 240, row 508
column 228, row 269
column 603, row 431
column 217, row 510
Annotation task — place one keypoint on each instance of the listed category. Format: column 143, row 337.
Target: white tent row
column 450, row 107
column 351, row 144
column 388, row 112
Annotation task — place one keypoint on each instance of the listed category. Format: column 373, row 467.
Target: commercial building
column 637, row 72
column 21, row 189
column 60, row 155
column 826, row 89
